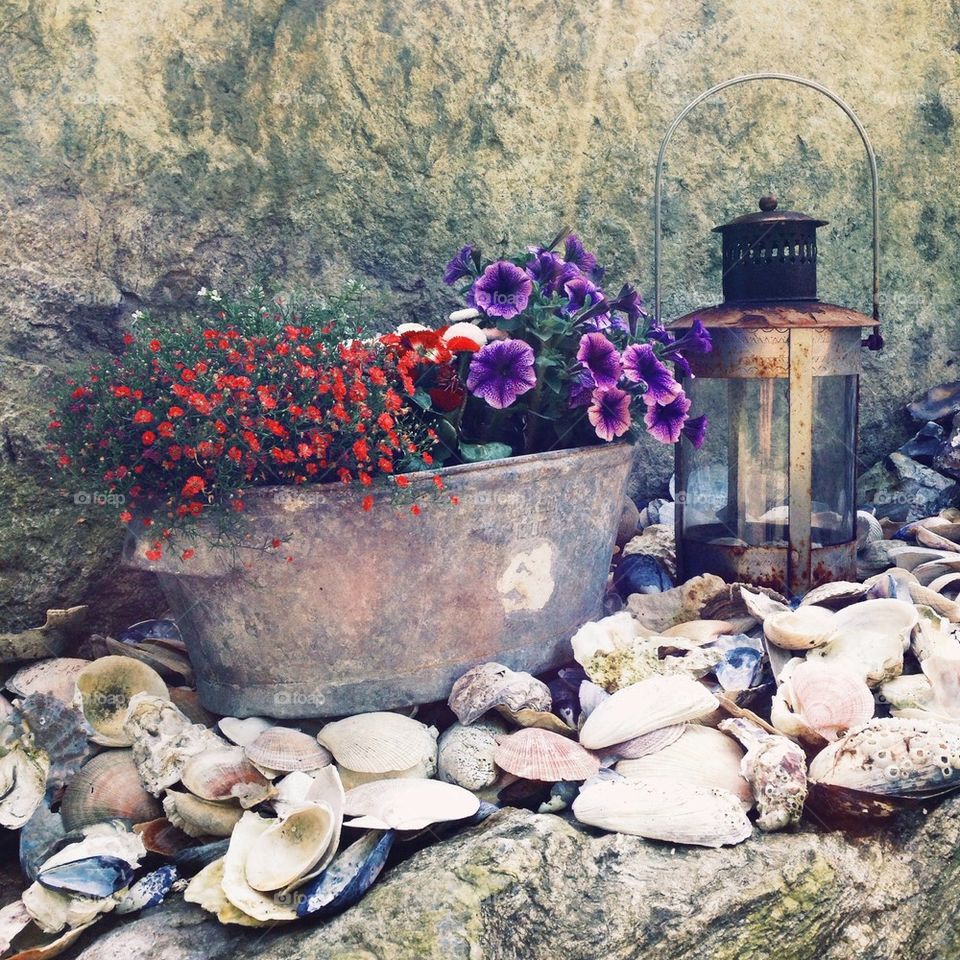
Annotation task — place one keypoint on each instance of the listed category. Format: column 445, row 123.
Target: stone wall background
column 153, row 146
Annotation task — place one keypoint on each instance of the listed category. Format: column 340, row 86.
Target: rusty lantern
column 770, row 498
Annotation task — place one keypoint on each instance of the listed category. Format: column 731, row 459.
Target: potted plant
column 345, row 521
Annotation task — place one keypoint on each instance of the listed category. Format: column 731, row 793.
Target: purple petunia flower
column 665, row 421
column 610, row 412
column 503, row 290
column 578, row 290
column 501, row 371
column 695, row 430
column 460, row 266
column 695, row 340
column 600, row 357
column 574, row 252
column 581, row 390
column 629, row 302
column 640, row 364
column 550, row 271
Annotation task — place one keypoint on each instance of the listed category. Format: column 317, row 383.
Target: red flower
column 187, row 554
column 155, row 554
column 188, row 375
column 193, row 486
column 403, row 481
column 368, row 503
column 127, row 339
column 155, row 346
column 126, row 516
column 148, row 437
column 415, row 510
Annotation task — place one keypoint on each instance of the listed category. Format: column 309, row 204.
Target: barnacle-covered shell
column 541, row 755
column 201, row 818
column 23, row 779
column 104, row 690
column 225, row 775
column 818, row 701
column 164, row 740
column 676, row 813
column 800, row 629
column 659, row 701
column 286, row 750
column 243, row 732
column 382, row 743
column 776, row 770
column 492, row 685
column 407, row 804
column 465, row 754
column 107, row 787
column 893, row 756
column 57, row 676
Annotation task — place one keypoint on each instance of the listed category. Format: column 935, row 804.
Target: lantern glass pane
column 834, row 459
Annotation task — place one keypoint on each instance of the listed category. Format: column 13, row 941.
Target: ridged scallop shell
column 201, row 818
column 465, row 754
column 23, row 779
column 57, row 676
column 225, row 775
column 290, row 849
column 243, row 732
column 164, row 740
column 107, row 787
column 658, row 701
column 893, row 756
column 835, row 595
column 663, row 811
column 646, row 743
column 817, row 700
column 776, row 769
column 407, row 804
column 492, row 685
column 868, row 529
column 801, row 629
column 541, row 755
column 702, row 757
column 286, row 750
column 104, row 690
column 381, row 743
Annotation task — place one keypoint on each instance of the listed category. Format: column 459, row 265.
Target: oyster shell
column 701, row 757
column 541, row 755
column 107, row 787
column 492, row 685
column 201, row 818
column 659, row 701
column 465, row 754
column 206, row 890
column 104, row 690
column 23, row 780
column 664, row 811
column 801, row 629
column 407, row 804
column 225, row 775
column 658, row 611
column 776, row 770
column 285, row 749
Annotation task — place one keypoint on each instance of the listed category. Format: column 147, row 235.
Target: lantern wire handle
column 874, row 341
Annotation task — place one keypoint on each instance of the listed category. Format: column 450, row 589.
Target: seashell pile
column 698, row 712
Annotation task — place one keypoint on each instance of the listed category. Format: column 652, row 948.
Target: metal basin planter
column 386, row 609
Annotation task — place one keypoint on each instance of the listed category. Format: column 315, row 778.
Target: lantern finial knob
column 768, row 203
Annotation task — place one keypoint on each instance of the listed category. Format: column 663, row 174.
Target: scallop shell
column 541, row 755
column 407, row 804
column 658, row 701
column 107, row 787
column 290, row 849
column 646, row 743
column 243, row 732
column 243, row 841
column 206, row 890
column 893, row 757
column 701, row 757
column 161, row 836
column 664, row 811
column 57, row 676
column 801, row 629
column 818, row 701
column 868, row 529
column 23, row 779
column 201, row 818
column 380, row 743
column 225, row 775
column 492, row 685
column 286, row 750
column 465, row 754
column 776, row 770
column 104, row 690
column 760, row 605
column 835, row 595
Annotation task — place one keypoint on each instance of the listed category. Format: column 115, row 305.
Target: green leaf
column 476, row 452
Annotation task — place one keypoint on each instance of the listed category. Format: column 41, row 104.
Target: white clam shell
column 57, row 676
column 206, row 890
column 676, row 813
column 288, row 850
column 407, row 804
column 801, row 629
column 243, row 732
column 659, row 701
column 379, row 743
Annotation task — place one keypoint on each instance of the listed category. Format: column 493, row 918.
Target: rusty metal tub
column 386, row 609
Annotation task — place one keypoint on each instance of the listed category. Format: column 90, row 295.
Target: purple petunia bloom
column 640, row 364
column 550, row 271
column 501, row 371
column 600, row 357
column 695, row 340
column 503, row 290
column 695, row 430
column 665, row 421
column 460, row 266
column 629, row 302
column 574, row 252
column 610, row 412
column 578, row 291
column 581, row 390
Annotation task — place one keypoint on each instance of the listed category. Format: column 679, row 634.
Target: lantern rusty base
column 385, row 609
column 765, row 566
